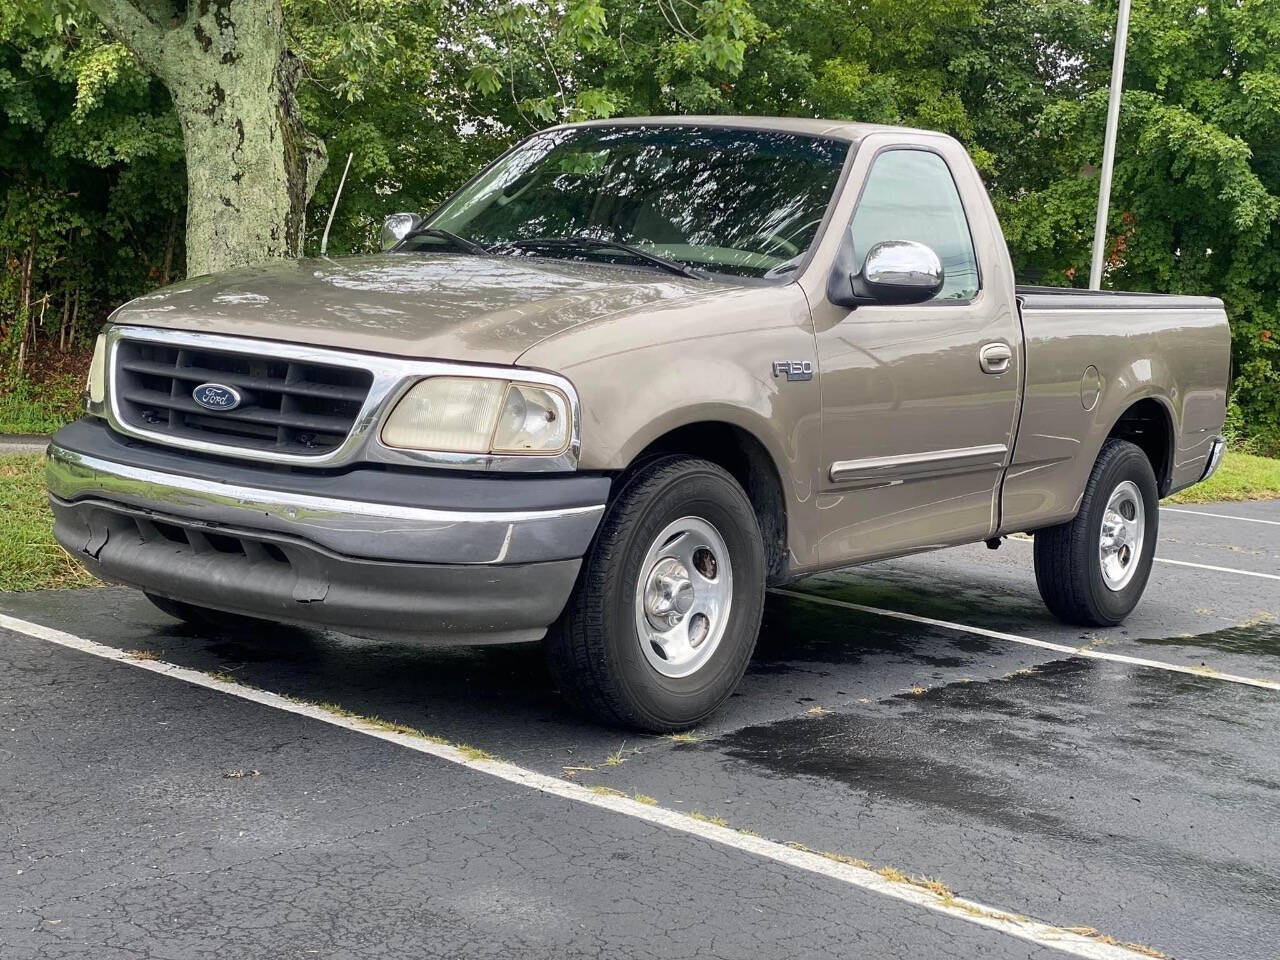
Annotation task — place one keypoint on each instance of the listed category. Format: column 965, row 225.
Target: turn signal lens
column 533, row 420
column 96, row 388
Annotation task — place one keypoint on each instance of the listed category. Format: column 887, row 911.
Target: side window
column 910, row 195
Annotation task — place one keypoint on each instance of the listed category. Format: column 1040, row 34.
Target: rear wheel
column 1092, row 570
column 207, row 618
column 665, row 614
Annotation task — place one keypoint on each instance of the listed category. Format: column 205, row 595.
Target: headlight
column 482, row 416
column 96, row 388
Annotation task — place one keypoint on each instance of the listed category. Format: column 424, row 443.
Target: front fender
column 643, row 374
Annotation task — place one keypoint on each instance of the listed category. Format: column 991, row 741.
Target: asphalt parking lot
column 1126, row 781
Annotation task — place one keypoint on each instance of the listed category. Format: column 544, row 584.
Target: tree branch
column 131, row 26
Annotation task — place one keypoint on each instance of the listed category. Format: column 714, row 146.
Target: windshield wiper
column 462, row 243
column 594, row 243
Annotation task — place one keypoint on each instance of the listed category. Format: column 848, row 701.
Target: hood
column 413, row 305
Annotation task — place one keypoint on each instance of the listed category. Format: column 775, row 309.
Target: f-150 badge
column 793, row 369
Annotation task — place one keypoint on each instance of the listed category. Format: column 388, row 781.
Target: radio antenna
column 324, row 240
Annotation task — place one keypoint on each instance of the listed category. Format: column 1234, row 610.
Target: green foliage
column 91, row 162
column 386, row 82
column 30, row 559
column 423, row 92
column 1196, row 197
column 1242, row 476
column 29, row 408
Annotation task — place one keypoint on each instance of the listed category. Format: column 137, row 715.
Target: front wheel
column 1092, row 570
column 664, row 618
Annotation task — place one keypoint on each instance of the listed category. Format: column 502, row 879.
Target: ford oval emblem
column 216, row 396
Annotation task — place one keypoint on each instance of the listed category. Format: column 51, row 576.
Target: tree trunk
column 166, row 270
column 27, row 270
column 35, row 327
column 66, row 315
column 24, row 280
column 251, row 166
column 75, row 314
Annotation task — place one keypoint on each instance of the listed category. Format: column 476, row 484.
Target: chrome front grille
column 292, row 407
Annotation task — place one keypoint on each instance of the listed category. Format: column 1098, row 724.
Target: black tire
column 594, row 651
column 1068, row 567
column 207, row 618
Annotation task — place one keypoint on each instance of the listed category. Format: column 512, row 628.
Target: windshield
column 743, row 202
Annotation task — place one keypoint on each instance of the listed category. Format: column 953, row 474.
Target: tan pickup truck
column 626, row 378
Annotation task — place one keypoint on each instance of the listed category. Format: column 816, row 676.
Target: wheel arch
column 747, row 459
column 1147, row 422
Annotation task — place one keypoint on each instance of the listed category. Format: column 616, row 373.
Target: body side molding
column 915, row 466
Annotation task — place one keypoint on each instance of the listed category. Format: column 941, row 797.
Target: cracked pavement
column 143, row 817
column 130, row 840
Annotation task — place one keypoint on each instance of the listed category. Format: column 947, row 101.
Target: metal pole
column 1109, row 146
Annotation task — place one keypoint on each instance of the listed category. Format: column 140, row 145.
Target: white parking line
column 1209, row 566
column 1043, row 934
column 1220, row 516
column 1030, row 641
column 1022, row 538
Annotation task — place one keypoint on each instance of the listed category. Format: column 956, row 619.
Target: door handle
column 995, row 358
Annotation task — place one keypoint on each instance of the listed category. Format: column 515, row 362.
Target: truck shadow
column 502, row 697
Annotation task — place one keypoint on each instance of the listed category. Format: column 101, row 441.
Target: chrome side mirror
column 398, row 226
column 900, row 272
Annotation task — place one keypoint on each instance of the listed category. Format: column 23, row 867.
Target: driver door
column 917, row 428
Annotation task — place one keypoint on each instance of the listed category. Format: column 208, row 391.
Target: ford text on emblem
column 216, row 396
column 793, row 369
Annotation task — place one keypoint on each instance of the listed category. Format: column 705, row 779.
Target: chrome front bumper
column 354, row 528
column 399, row 555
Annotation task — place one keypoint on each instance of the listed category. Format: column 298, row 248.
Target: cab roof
column 835, row 129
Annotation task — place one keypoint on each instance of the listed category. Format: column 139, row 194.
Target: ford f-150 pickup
column 631, row 375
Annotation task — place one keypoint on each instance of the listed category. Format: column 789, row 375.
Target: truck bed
column 1084, row 348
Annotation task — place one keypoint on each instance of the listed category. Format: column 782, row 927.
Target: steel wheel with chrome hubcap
column 1092, row 570
column 683, row 597
column 1121, row 537
column 664, row 618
